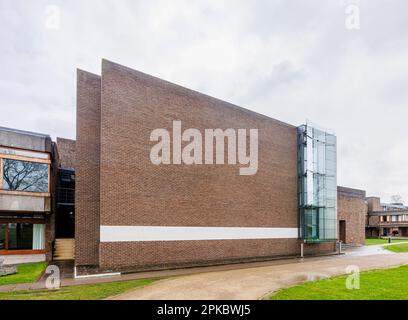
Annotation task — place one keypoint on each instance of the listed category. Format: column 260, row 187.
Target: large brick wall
column 352, row 208
column 66, row 151
column 134, row 192
column 165, row 254
column 87, row 169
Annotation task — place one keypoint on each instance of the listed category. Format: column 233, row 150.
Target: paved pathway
column 238, row 281
column 256, row 282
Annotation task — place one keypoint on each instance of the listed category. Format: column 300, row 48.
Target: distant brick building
column 386, row 219
column 66, row 151
column 351, row 214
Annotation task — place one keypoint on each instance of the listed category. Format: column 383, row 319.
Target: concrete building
column 37, row 193
column 27, row 167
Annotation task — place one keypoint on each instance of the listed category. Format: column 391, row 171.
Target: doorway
column 65, row 217
column 342, row 231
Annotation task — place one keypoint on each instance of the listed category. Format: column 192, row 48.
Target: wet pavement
column 252, row 280
column 258, row 282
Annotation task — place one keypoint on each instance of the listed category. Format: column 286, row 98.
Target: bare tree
column 396, row 198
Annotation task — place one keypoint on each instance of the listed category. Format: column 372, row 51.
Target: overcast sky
column 290, row 60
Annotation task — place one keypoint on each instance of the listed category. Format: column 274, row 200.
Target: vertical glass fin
column 317, row 174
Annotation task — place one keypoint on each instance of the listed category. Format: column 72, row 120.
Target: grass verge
column 398, row 248
column 81, row 292
column 388, row 284
column 26, row 273
column 376, row 241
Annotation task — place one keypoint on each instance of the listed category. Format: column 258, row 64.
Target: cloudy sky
column 291, row 60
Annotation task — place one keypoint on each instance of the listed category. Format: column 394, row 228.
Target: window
column 20, row 236
column 2, row 237
column 25, row 176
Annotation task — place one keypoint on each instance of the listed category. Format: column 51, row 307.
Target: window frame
column 47, row 161
column 6, row 222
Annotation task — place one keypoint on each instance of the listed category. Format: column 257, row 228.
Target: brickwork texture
column 87, row 161
column 352, row 208
column 66, row 150
column 117, row 185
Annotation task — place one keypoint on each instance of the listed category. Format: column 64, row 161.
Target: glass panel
column 20, row 236
column 317, row 160
column 2, row 237
column 38, row 237
column 25, row 176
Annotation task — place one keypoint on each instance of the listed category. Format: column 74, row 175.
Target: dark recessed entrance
column 65, row 217
column 342, row 231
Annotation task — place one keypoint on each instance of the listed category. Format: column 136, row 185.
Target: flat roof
column 30, row 133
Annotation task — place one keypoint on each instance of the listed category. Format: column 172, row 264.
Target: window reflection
column 25, row 176
column 20, row 236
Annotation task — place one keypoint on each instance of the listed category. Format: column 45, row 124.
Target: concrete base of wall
column 89, row 270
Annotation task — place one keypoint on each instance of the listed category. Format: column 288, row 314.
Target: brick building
column 133, row 214
column 351, row 214
column 386, row 219
column 66, row 153
column 125, row 212
column 27, row 171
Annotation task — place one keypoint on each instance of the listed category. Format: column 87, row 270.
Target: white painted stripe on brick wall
column 147, row 233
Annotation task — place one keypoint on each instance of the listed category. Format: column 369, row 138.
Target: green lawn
column 398, row 247
column 81, row 292
column 26, row 273
column 374, row 241
column 374, row 285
